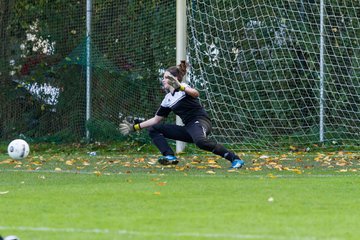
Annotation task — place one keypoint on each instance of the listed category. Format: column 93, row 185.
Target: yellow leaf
column 215, row 166
column 293, row 148
column 341, row 164
column 86, row 163
column 70, row 162
column 138, row 160
column 57, row 169
column 255, row 169
column 6, row 161
column 210, row 172
column 177, row 168
column 271, row 176
column 152, row 162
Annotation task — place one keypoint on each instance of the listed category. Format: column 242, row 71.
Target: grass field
column 67, row 194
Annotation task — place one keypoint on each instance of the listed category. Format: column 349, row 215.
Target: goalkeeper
column 183, row 101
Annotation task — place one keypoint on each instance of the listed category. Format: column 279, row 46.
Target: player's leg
column 199, row 130
column 160, row 132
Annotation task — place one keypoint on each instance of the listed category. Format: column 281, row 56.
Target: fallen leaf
column 215, row 166
column 255, row 169
column 177, row 168
column 86, row 163
column 70, row 162
column 139, row 160
column 37, row 163
column 5, row 161
column 271, row 176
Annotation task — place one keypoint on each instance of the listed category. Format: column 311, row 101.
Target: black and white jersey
column 183, row 105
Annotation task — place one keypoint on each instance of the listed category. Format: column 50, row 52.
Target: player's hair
column 178, row 71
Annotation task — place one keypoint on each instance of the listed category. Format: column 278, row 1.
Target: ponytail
column 178, row 71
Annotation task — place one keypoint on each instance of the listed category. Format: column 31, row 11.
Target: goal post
column 181, row 37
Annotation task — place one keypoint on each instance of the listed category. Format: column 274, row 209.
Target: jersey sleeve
column 163, row 111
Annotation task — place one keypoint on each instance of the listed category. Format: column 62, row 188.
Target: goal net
column 44, row 61
column 271, row 73
column 278, row 73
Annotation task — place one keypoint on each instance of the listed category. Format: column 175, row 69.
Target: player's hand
column 126, row 128
column 172, row 81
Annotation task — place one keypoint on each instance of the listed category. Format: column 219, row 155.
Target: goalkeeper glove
column 172, row 81
column 126, row 128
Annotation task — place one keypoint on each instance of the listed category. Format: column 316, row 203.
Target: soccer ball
column 18, row 149
column 11, row 238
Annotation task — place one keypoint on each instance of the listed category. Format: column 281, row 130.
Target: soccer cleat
column 237, row 163
column 168, row 160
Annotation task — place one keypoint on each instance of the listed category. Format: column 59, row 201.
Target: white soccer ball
column 18, row 149
column 11, row 238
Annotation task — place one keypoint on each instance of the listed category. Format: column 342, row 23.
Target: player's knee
column 204, row 144
column 152, row 131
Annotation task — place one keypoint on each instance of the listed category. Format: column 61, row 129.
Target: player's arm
column 125, row 127
column 151, row 122
column 182, row 87
column 191, row 91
